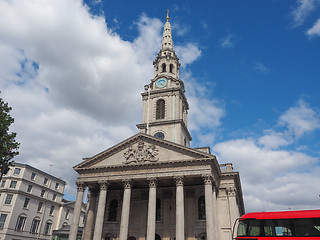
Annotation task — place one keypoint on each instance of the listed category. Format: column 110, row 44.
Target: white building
column 31, row 204
column 153, row 185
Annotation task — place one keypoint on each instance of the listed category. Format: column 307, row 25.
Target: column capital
column 103, row 184
column 127, row 183
column 80, row 186
column 207, row 178
column 179, row 180
column 152, row 182
column 231, row 191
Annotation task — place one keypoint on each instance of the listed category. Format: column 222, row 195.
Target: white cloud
column 303, row 10
column 300, row 119
column 228, row 41
column 188, row 53
column 260, row 67
column 73, row 83
column 315, row 30
column 273, row 178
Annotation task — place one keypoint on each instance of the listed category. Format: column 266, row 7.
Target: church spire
column 167, row 37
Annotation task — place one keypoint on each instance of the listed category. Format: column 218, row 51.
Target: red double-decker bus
column 286, row 225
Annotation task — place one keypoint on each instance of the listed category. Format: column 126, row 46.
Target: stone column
column 234, row 209
column 124, row 225
column 179, row 208
column 100, row 211
column 215, row 212
column 76, row 212
column 90, row 214
column 209, row 206
column 151, row 225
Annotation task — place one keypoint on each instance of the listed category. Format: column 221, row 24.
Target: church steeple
column 167, row 37
column 165, row 107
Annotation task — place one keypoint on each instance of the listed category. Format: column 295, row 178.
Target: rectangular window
column 307, row 227
column 8, row 199
column 45, row 181
column 13, row 184
column 34, row 226
column 33, row 176
column 29, row 188
column 57, row 186
column 54, row 197
column 67, row 214
column 20, row 223
column 26, row 203
column 3, row 218
column 40, row 206
column 3, row 183
column 277, row 228
column 51, row 210
column 17, row 171
column 42, row 192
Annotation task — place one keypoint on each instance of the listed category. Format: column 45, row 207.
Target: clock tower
column 165, row 106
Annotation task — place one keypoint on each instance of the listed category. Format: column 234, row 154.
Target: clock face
column 161, row 82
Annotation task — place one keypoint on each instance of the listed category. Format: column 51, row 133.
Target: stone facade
column 153, row 186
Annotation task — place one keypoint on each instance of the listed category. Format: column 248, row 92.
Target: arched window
column 171, row 68
column 158, row 210
column 159, row 135
column 113, row 211
column 157, row 237
column 35, row 225
column 201, row 208
column 131, row 238
column 164, row 67
column 21, row 221
column 47, row 228
column 160, row 110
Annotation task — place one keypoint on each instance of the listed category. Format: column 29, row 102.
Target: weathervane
column 167, row 15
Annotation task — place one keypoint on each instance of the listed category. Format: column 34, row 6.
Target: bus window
column 242, row 228
column 307, row 227
column 254, row 228
column 277, row 227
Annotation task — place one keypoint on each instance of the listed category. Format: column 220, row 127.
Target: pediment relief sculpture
column 141, row 153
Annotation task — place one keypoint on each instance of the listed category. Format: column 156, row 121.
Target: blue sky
column 251, row 71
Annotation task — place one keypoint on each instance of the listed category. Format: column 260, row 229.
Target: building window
column 159, row 135
column 158, row 209
column 29, row 188
column 35, row 225
column 45, row 181
column 13, row 184
column 54, row 197
column 201, row 208
column 40, row 206
column 3, row 183
column 33, row 176
column 160, row 109
column 8, row 199
column 57, row 186
column 51, row 210
column 113, row 211
column 26, row 203
column 47, row 228
column 42, row 192
column 163, row 67
column 67, row 214
column 157, row 237
column 171, row 68
column 16, row 171
column 20, row 223
column 3, row 218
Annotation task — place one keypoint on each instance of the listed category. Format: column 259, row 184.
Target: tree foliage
column 8, row 145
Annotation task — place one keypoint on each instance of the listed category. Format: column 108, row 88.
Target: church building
column 153, row 185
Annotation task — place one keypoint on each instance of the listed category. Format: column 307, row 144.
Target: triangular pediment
column 141, row 149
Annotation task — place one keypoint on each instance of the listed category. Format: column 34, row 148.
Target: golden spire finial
column 167, row 15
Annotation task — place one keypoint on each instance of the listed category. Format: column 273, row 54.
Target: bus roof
column 283, row 214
